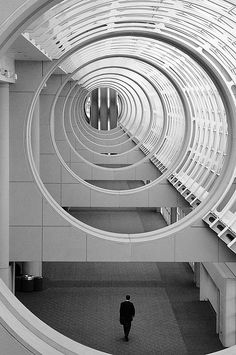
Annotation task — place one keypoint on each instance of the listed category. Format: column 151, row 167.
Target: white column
column 218, row 285
column 113, row 110
column 35, row 267
column 94, row 108
column 103, row 109
column 173, row 215
column 4, row 182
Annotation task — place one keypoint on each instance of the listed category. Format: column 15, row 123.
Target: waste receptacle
column 27, row 283
column 38, row 283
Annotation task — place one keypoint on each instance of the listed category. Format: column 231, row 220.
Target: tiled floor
column 81, row 300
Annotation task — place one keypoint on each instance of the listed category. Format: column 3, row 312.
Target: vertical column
column 35, row 267
column 218, row 286
column 197, row 274
column 94, row 109
column 113, row 110
column 26, row 203
column 4, row 182
column 173, row 215
column 103, row 109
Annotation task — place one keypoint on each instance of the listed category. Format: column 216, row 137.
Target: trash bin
column 27, row 283
column 38, row 283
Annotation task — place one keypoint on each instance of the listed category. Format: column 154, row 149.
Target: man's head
column 127, row 297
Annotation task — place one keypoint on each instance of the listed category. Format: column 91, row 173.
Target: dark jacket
column 127, row 312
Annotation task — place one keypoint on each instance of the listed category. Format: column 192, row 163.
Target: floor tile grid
column 168, row 310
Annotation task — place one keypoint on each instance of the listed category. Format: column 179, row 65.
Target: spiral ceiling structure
column 170, row 67
column 140, row 83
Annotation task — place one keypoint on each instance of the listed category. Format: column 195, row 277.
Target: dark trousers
column 127, row 327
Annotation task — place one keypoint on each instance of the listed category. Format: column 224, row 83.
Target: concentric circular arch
column 218, row 190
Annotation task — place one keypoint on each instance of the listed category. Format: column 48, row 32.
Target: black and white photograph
column 117, row 177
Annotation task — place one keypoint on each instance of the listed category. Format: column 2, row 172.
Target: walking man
column 127, row 313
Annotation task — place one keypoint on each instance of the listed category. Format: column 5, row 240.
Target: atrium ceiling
column 172, row 64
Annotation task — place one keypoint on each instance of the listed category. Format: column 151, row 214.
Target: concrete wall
column 25, row 198
column 218, row 285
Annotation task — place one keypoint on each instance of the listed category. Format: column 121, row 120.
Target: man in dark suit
column 127, row 313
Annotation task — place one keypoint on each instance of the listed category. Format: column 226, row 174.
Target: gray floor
column 117, row 184
column 81, row 300
column 151, row 171
column 116, row 220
